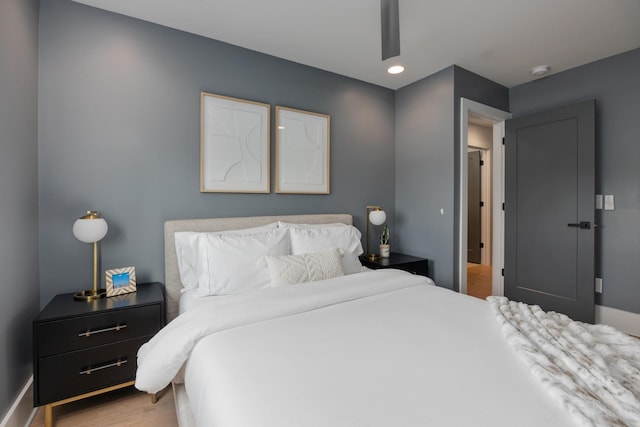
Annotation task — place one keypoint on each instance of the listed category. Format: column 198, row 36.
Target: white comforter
column 372, row 349
column 161, row 358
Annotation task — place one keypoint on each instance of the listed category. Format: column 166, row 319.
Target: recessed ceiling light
column 540, row 70
column 395, row 69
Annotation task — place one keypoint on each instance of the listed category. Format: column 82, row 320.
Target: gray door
column 549, row 210
column 473, row 204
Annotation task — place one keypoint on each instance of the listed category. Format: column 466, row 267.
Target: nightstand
column 399, row 261
column 81, row 349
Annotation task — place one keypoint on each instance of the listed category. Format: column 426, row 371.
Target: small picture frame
column 120, row 281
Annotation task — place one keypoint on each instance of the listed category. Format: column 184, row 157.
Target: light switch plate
column 609, row 203
column 598, row 285
column 598, row 201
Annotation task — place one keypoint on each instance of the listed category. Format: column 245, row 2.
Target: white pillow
column 318, row 238
column 229, row 264
column 311, row 267
column 282, row 224
column 186, row 252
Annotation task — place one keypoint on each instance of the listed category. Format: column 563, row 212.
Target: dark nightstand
column 81, row 349
column 399, row 261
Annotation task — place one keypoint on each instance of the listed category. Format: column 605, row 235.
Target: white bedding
column 380, row 348
column 190, row 300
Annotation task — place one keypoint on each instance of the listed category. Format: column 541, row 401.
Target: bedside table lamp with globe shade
column 91, row 228
column 375, row 216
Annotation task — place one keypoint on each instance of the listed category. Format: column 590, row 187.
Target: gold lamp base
column 90, row 295
column 373, row 257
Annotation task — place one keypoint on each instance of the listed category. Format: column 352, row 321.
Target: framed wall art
column 302, row 152
column 234, row 145
column 120, row 281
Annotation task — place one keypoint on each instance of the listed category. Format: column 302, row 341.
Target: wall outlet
column 598, row 201
column 598, row 285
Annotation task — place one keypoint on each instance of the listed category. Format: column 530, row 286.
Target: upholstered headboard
column 171, row 273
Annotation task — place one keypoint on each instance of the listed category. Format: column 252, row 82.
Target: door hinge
column 482, row 204
column 503, row 206
column 481, row 245
column 503, row 272
column 481, row 162
column 503, row 140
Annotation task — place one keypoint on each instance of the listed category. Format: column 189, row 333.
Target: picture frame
column 302, row 151
column 120, row 281
column 235, row 148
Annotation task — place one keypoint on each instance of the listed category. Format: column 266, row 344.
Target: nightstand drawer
column 83, row 332
column 82, row 371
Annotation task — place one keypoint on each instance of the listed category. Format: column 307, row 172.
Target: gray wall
column 615, row 85
column 427, row 146
column 424, row 172
column 119, row 133
column 19, row 193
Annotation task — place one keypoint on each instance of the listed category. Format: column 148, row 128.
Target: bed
column 372, row 348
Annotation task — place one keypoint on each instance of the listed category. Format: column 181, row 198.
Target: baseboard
column 624, row 321
column 22, row 411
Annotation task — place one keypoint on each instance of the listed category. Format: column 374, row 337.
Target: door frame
column 498, row 117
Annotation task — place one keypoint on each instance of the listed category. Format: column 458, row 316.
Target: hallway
column 478, row 280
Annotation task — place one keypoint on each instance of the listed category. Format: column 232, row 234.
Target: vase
column 384, row 251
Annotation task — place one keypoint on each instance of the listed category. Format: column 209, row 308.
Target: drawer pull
column 89, row 332
column 115, row 363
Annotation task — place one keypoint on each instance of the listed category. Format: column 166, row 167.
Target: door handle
column 584, row 225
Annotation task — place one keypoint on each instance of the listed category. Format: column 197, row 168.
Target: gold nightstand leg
column 154, row 398
column 48, row 408
column 48, row 415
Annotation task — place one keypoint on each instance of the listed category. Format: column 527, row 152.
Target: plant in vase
column 384, row 242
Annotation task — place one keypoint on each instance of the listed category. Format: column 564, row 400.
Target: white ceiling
column 498, row 39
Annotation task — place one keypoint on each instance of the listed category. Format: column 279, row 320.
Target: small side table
column 85, row 348
column 412, row 264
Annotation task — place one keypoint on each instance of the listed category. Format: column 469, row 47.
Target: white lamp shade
column 377, row 217
column 90, row 230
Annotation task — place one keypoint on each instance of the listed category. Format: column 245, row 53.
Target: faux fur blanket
column 594, row 370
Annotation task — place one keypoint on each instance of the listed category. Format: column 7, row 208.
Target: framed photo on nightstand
column 120, row 281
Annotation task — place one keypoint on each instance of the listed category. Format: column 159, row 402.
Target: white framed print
column 234, row 145
column 302, row 151
column 120, row 281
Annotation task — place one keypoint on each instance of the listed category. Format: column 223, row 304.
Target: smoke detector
column 540, row 70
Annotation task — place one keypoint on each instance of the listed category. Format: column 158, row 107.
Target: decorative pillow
column 321, row 238
column 311, row 267
column 185, row 242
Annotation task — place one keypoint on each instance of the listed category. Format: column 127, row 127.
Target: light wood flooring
column 478, row 280
column 126, row 407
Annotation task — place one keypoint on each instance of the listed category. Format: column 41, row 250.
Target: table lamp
column 91, row 228
column 375, row 216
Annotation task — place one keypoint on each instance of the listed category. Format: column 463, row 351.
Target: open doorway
column 479, row 213
column 481, row 227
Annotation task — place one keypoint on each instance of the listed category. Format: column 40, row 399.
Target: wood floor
column 478, row 280
column 124, row 408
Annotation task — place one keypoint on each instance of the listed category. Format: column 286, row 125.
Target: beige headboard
column 171, row 273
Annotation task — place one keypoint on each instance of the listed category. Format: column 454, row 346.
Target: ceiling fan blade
column 390, row 20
